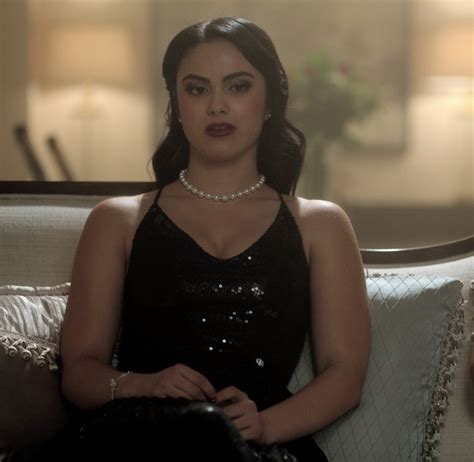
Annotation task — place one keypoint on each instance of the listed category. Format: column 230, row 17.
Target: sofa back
column 39, row 235
column 33, row 254
column 40, row 232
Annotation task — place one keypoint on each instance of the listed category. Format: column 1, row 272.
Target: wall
column 436, row 167
column 13, row 80
column 114, row 139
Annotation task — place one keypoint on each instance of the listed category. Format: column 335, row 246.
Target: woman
column 214, row 279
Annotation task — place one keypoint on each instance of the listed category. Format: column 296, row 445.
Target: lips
column 223, row 129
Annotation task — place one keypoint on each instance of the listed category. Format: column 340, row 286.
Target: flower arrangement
column 326, row 96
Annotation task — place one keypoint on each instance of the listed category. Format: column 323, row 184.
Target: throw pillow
column 30, row 324
column 416, row 323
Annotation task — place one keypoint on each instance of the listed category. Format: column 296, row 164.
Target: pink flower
column 345, row 68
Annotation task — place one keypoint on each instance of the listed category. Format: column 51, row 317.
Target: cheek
column 252, row 109
column 258, row 104
column 257, row 110
column 187, row 105
column 184, row 107
column 259, row 107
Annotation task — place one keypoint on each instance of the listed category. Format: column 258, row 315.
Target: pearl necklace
column 223, row 198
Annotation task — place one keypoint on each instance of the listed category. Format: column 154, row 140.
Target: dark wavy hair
column 281, row 146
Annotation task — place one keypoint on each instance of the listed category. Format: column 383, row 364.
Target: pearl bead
column 224, row 197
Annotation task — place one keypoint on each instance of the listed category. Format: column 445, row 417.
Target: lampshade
column 450, row 52
column 99, row 54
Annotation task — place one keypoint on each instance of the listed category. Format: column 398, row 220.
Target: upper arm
column 93, row 310
column 340, row 318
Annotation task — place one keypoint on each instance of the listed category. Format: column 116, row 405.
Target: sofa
column 418, row 402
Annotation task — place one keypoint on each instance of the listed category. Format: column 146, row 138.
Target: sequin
column 181, row 305
column 257, row 290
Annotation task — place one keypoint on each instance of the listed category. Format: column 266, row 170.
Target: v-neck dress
column 239, row 321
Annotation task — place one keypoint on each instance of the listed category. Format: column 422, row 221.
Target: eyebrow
column 227, row 77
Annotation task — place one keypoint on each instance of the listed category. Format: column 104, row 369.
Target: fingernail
column 213, row 400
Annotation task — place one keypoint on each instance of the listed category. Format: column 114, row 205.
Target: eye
column 240, row 87
column 196, row 89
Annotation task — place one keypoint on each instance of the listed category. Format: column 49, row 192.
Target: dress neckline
column 196, row 244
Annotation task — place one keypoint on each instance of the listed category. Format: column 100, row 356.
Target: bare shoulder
column 121, row 211
column 314, row 211
column 321, row 222
column 118, row 217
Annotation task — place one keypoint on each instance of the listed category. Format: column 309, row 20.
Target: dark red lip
column 223, row 129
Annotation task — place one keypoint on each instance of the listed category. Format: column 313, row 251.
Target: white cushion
column 408, row 375
column 32, row 408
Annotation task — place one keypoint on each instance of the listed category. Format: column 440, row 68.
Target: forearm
column 324, row 399
column 86, row 383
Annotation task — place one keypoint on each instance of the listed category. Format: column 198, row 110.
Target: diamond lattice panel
column 410, row 317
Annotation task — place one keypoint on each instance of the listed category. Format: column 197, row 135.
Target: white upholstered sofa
column 38, row 237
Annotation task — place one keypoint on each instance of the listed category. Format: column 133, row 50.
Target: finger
column 200, row 381
column 187, row 394
column 235, row 410
column 231, row 394
column 192, row 389
column 247, row 434
column 226, row 394
column 201, row 390
column 173, row 392
column 244, row 422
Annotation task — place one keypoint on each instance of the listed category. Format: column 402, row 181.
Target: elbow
column 66, row 388
column 356, row 398
column 354, row 386
column 71, row 387
column 71, row 395
column 356, row 390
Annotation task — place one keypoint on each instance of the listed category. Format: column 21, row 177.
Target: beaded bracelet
column 115, row 382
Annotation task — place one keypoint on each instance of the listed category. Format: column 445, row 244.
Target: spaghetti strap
column 157, row 196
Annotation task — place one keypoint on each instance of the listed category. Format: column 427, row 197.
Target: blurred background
column 383, row 90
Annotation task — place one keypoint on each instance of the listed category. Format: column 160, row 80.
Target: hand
column 180, row 381
column 243, row 412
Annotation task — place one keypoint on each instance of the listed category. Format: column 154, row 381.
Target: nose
column 217, row 104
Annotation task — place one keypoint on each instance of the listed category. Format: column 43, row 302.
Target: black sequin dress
column 240, row 321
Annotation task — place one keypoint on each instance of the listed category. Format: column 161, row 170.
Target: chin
column 213, row 153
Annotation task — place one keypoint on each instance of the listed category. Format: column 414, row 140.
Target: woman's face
column 221, row 101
